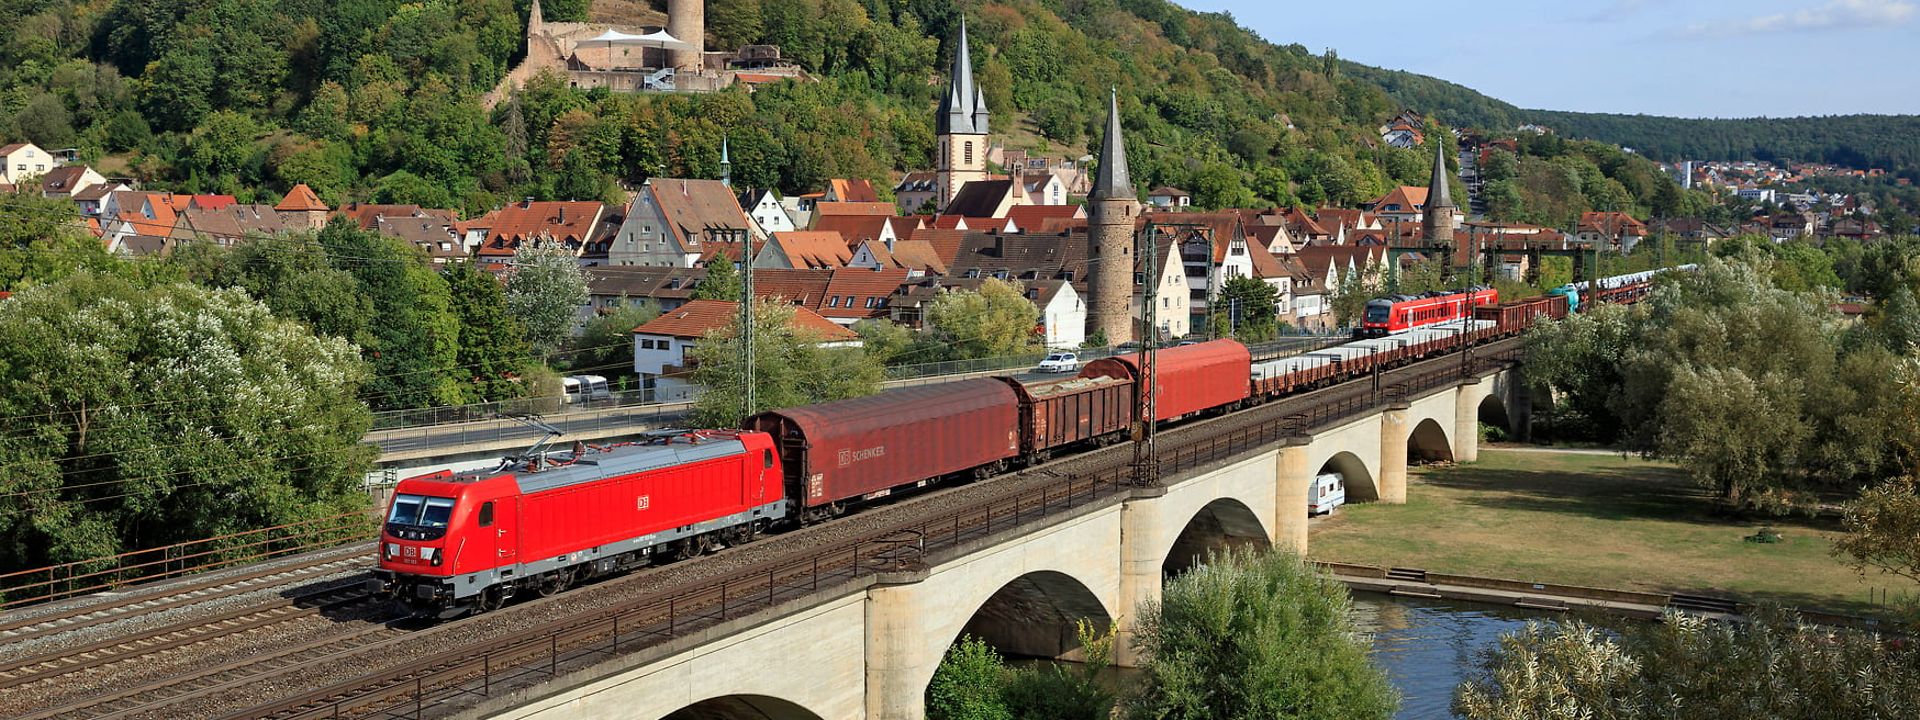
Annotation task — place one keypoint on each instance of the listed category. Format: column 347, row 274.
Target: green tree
column 148, row 416
column 995, row 321
column 884, row 339
column 1256, row 634
column 790, row 368
column 493, row 356
column 414, row 343
column 605, row 347
column 40, row 243
column 967, row 684
column 1693, row 667
column 722, row 282
column 545, row 290
column 1250, row 307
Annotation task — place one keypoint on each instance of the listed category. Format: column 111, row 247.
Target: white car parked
column 1060, row 362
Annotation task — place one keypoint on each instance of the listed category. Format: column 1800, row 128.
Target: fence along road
column 627, row 413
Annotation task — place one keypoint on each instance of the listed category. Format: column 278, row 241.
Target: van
column 1328, row 491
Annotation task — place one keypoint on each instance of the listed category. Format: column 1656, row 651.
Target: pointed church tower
column 1437, row 221
column 726, row 164
column 1111, row 207
column 961, row 127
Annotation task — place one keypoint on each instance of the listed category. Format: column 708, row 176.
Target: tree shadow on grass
column 1606, row 493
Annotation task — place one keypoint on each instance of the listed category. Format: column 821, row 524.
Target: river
column 1428, row 646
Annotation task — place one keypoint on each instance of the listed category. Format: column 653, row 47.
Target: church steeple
column 1437, row 193
column 1437, row 218
column 726, row 164
column 963, row 111
column 1113, row 182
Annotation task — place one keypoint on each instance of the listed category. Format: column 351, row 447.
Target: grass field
column 1591, row 519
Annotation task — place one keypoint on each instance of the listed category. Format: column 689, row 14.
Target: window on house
column 969, row 152
column 873, row 302
column 833, row 301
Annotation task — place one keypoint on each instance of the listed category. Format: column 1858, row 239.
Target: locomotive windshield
column 1377, row 311
column 421, row 511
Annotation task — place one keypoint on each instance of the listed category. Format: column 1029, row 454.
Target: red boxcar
column 449, row 537
column 862, row 448
column 1521, row 314
column 1191, row 378
column 1063, row 412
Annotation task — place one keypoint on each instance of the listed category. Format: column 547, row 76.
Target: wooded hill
column 378, row 99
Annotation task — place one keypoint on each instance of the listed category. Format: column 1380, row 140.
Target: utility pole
column 741, row 236
column 1146, row 466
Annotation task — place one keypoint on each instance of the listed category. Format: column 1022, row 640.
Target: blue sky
column 1691, row 58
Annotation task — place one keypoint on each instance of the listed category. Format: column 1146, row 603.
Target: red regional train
column 1399, row 313
column 540, row 522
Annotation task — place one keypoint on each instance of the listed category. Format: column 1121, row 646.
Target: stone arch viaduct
column 871, row 653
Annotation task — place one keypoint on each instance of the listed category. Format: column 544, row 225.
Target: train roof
column 620, row 460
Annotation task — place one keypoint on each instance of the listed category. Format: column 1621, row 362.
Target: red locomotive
column 454, row 542
column 1399, row 313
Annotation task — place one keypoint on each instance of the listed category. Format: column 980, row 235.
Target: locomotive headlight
column 393, row 550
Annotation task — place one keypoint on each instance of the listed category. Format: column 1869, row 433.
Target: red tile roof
column 854, row 191
column 301, row 199
column 571, row 223
column 839, row 209
column 800, row 287
column 1032, row 217
column 1409, row 197
column 814, row 249
column 698, row 317
column 861, row 293
column 854, row 229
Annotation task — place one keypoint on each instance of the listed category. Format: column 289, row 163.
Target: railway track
column 480, row 668
column 146, row 600
column 68, row 660
column 157, row 697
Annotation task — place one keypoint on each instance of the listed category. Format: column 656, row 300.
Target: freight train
column 541, row 522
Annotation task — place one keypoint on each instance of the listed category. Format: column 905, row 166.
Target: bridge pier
column 1393, row 454
column 897, row 665
column 1142, row 556
column 1466, row 420
column 1292, row 475
column 1519, row 408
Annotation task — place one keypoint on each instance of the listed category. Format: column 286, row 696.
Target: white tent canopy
column 653, row 39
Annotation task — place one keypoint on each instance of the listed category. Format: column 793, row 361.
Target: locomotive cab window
column 486, row 513
column 766, row 458
column 421, row 511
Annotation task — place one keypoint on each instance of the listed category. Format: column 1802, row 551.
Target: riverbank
column 1592, row 519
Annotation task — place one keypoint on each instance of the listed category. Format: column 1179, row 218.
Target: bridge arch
column 1493, row 411
column 1361, row 483
column 1428, row 442
column 1223, row 523
column 743, row 707
column 1035, row 615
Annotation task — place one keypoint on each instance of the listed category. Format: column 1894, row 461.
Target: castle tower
column 1437, row 222
column 1111, row 208
column 687, row 21
column 961, row 127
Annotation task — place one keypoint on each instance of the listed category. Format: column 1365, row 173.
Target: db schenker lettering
column 849, row 457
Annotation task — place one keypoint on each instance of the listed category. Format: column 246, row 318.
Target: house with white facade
column 767, row 212
column 21, row 161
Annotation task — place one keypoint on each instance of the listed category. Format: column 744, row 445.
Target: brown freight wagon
column 864, row 448
column 1063, row 412
column 1192, row 378
column 1521, row 314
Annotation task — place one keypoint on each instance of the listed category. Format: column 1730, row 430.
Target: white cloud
column 1834, row 14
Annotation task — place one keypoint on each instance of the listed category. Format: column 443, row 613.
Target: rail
column 66, row 580
column 409, row 690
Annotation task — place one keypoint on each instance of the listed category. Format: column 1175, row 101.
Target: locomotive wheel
column 556, row 583
column 490, row 600
column 741, row 534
